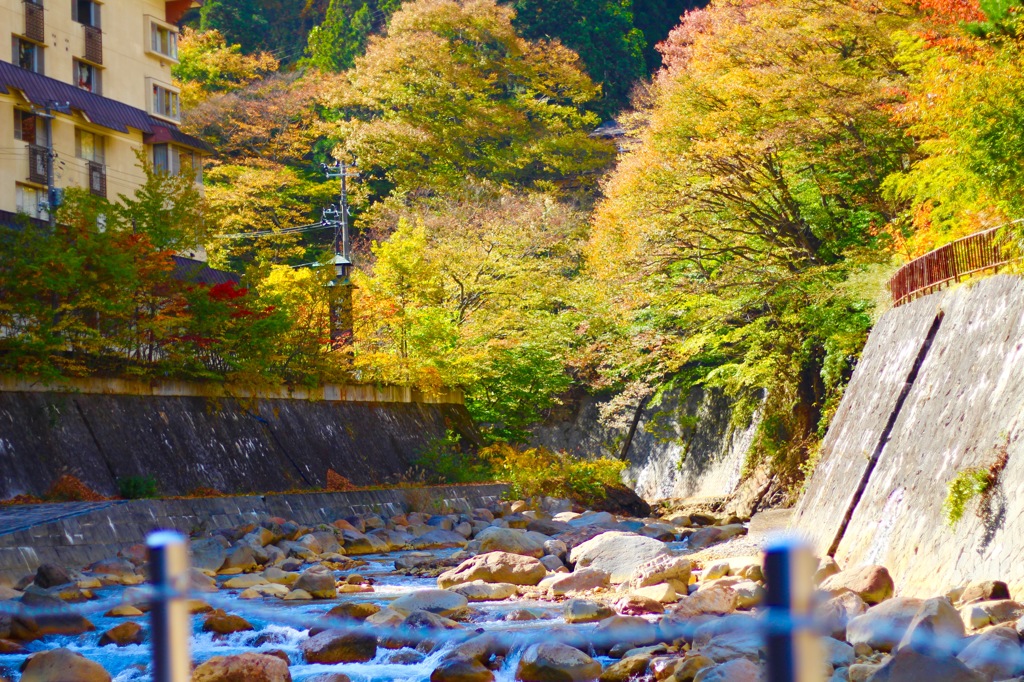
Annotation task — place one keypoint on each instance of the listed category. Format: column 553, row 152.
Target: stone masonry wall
column 963, row 407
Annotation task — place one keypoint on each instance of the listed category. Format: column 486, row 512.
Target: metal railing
column 958, row 260
column 97, row 179
column 93, row 44
column 35, row 22
column 38, row 163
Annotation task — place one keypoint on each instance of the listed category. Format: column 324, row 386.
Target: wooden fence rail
column 981, row 251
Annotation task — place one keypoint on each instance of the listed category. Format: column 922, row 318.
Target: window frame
column 97, row 73
column 153, row 26
column 40, row 198
column 99, row 144
column 174, row 99
column 95, row 18
column 39, row 61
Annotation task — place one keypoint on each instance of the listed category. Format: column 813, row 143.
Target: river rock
column 664, row 568
column 637, row 605
column 588, row 518
column 277, row 576
column 838, row 611
column 908, row 665
column 495, row 567
column 872, row 583
column 265, row 590
column 579, row 581
column 221, row 623
column 632, row 630
column 123, row 611
column 123, row 635
column 716, row 600
column 556, row 663
column 981, row 613
column 338, row 646
column 117, row 568
column 442, row 602
column 319, row 582
column 882, row 626
column 936, row 627
column 664, row 593
column 239, row 560
column 985, row 590
column 357, row 543
column 585, row 611
column 478, row 590
column 51, row 575
column 838, row 654
column 711, row 535
column 243, row 582
column 353, row 610
column 630, row 667
column 246, row 667
column 62, row 665
column 459, row 669
column 714, row 627
column 994, row 653
column 739, row 670
column 509, row 540
column 827, row 567
column 439, row 538
column 617, row 553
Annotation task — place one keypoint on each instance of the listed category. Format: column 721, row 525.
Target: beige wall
column 126, row 62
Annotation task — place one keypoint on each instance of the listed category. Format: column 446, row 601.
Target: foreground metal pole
column 169, row 617
column 794, row 649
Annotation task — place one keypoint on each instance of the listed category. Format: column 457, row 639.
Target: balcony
column 35, row 24
column 98, row 179
column 93, row 44
column 38, row 162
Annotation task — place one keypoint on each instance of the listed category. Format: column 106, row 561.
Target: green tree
column 453, row 92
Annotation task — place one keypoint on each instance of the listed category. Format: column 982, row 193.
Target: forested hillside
column 782, row 158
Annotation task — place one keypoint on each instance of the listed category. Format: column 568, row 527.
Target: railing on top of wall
column 981, row 251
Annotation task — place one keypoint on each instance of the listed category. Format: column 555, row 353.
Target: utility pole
column 340, row 287
column 51, row 156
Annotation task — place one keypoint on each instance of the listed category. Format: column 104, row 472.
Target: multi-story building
column 96, row 77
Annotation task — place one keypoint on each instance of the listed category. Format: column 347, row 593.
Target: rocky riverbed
column 538, row 594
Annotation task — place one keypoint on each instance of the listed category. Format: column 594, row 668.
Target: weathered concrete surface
column 681, row 448
column 963, row 410
column 76, row 534
column 885, row 364
column 233, row 445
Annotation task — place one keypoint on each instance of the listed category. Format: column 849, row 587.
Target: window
column 89, row 146
column 31, row 202
column 27, row 55
column 29, row 128
column 163, row 39
column 87, row 76
column 169, row 158
column 86, row 12
column 165, row 102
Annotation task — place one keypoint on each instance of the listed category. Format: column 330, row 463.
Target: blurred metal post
column 169, row 616
column 794, row 649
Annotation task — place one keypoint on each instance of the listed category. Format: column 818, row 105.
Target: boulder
column 244, row 582
column 123, row 635
column 353, row 611
column 985, row 590
column 277, row 576
column 62, row 665
column 838, row 654
column 637, row 605
column 585, row 611
column 717, row 600
column 617, row 553
column 664, row 568
column 246, row 667
column 748, row 594
column 438, row 539
column 51, row 575
column 553, row 564
column 739, row 670
column 221, row 623
column 627, row 669
column 837, row 612
column 872, row 583
column 711, row 535
column 632, row 630
column 579, row 581
column 882, row 626
column 442, row 602
column 994, row 653
column 715, row 627
column 659, row 531
column 589, row 519
column 240, row 559
column 981, row 613
column 458, row 669
column 664, row 593
column 357, row 543
column 748, row 643
column 339, row 646
column 827, row 568
column 495, row 567
column 509, row 540
column 319, row 582
column 478, row 590
column 556, row 663
column 908, row 665
column 935, row 628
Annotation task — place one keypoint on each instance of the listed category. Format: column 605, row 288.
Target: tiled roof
column 198, row 272
column 102, row 111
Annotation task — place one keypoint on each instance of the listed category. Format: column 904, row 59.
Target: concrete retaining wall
column 189, row 436
column 963, row 408
column 77, row 534
column 683, row 447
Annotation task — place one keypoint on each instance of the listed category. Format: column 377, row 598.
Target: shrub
column 67, row 488
column 336, row 483
column 539, row 471
column 964, row 487
column 444, row 461
column 137, row 487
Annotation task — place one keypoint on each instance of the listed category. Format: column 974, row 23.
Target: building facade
column 96, row 78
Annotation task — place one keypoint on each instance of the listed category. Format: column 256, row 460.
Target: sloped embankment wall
column 939, row 390
column 235, row 445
